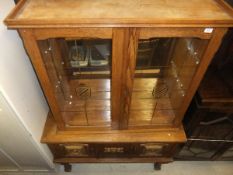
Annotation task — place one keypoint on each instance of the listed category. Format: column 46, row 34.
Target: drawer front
column 75, row 150
column 109, row 150
column 154, row 149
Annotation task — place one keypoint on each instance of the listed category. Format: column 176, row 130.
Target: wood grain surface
column 69, row 13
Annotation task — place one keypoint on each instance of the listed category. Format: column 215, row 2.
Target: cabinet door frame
column 30, row 38
column 124, row 50
column 123, row 66
column 212, row 47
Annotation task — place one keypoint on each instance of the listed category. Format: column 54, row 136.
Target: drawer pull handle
column 113, row 150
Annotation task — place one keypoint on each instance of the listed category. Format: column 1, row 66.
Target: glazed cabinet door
column 80, row 72
column 164, row 72
column 165, row 66
column 75, row 69
column 86, row 74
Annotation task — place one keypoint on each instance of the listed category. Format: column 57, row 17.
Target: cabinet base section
column 52, row 135
column 113, row 146
column 70, row 153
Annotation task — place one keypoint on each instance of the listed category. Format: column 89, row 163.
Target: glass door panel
column 164, row 70
column 80, row 73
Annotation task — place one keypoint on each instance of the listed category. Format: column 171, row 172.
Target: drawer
column 73, row 150
column 130, row 150
column 110, row 150
column 154, row 149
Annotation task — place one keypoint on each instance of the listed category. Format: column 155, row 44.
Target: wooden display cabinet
column 118, row 75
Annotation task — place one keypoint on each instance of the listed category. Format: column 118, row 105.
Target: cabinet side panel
column 33, row 51
column 214, row 43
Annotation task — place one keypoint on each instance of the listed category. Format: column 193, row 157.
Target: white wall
column 19, row 84
column 18, row 151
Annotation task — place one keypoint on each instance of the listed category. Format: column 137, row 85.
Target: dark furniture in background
column 209, row 120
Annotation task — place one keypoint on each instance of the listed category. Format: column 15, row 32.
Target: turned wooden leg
column 157, row 166
column 67, row 167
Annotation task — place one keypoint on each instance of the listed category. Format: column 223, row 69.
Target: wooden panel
column 111, row 150
column 123, row 61
column 227, row 5
column 146, row 33
column 140, row 117
column 110, row 13
column 103, row 33
column 96, row 118
column 15, row 10
column 99, row 118
column 151, row 118
column 163, row 117
column 143, row 104
column 75, row 118
column 169, row 135
column 86, row 105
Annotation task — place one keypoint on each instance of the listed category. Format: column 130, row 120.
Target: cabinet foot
column 67, row 167
column 157, row 166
